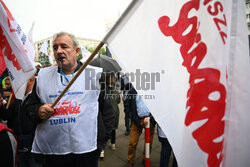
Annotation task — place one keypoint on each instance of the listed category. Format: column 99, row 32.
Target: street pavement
column 118, row 157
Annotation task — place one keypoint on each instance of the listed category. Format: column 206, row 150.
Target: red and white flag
column 189, row 59
column 17, row 53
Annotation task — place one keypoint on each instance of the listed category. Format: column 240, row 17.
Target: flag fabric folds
column 16, row 51
column 30, row 35
column 85, row 54
column 189, row 60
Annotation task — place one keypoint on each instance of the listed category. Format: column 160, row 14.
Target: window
column 248, row 5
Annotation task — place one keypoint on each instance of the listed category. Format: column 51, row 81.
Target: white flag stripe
column 189, row 44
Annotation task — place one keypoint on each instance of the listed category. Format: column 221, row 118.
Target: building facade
column 248, row 15
column 44, row 59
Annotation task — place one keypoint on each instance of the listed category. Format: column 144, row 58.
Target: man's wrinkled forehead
column 67, row 40
column 65, row 37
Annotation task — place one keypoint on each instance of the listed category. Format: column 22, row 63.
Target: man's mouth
column 60, row 58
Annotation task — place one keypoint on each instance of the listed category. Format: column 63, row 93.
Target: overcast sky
column 83, row 18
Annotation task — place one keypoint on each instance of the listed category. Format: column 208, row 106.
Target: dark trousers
column 127, row 122
column 166, row 153
column 113, row 136
column 73, row 160
column 27, row 159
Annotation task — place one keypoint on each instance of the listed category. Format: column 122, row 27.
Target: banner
column 189, row 60
column 16, row 51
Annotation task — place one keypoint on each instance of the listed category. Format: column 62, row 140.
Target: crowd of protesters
column 33, row 133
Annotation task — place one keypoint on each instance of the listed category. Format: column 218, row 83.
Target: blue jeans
column 166, row 153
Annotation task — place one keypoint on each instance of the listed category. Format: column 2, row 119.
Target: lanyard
column 65, row 76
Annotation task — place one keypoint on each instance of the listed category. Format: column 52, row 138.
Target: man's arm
column 32, row 106
column 126, row 104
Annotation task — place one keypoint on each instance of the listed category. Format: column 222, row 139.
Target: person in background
column 137, row 125
column 8, row 147
column 17, row 121
column 2, row 77
column 106, row 92
column 8, row 139
column 166, row 150
column 6, row 83
column 1, row 99
column 72, row 132
column 7, row 95
column 115, row 98
column 125, row 89
column 26, row 132
column 9, row 109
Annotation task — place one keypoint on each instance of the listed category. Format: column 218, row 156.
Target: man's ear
column 77, row 50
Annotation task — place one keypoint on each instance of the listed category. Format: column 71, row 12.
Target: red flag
column 2, row 63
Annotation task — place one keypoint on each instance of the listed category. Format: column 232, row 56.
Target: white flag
column 85, row 54
column 190, row 61
column 44, row 49
column 16, row 50
column 30, row 35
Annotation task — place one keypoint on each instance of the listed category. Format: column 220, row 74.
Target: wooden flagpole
column 10, row 98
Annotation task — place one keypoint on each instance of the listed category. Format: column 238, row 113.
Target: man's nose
column 59, row 49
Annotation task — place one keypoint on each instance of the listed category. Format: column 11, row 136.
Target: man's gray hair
column 75, row 42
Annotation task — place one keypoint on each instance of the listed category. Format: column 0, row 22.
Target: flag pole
column 147, row 144
column 10, row 98
column 78, row 73
column 126, row 14
column 113, row 30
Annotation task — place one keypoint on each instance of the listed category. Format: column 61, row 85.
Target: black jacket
column 11, row 115
column 19, row 122
column 105, row 114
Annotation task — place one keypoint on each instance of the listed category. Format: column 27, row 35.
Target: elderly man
column 71, row 133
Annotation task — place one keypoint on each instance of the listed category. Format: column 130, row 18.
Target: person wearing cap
column 6, row 83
